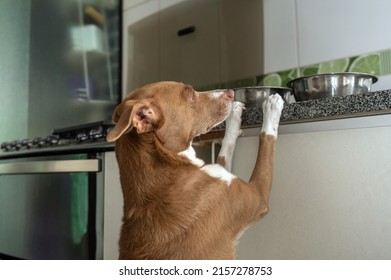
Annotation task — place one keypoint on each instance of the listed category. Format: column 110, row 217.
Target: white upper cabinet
column 142, row 52
column 241, row 35
column 189, row 49
column 335, row 29
column 205, row 43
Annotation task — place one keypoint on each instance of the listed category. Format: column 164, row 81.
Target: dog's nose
column 230, row 93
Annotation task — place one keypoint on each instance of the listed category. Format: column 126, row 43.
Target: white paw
column 234, row 121
column 272, row 109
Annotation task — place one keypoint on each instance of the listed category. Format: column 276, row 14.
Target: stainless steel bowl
column 330, row 85
column 253, row 97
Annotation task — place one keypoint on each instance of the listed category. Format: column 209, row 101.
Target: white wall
column 331, row 196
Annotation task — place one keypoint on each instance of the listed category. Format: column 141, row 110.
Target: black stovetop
column 81, row 138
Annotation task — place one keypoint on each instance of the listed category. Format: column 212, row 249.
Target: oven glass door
column 48, row 207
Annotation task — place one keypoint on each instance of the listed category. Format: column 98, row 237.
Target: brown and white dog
column 175, row 207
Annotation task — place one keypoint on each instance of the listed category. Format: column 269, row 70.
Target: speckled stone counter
column 373, row 103
column 337, row 107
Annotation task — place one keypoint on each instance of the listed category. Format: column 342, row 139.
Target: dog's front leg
column 262, row 175
column 232, row 132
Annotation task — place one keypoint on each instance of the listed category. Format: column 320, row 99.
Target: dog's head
column 172, row 111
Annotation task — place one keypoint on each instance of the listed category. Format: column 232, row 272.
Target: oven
column 52, row 193
column 51, row 207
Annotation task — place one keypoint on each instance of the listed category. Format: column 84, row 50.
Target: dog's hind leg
column 232, row 132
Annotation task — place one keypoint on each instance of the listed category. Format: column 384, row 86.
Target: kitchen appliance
column 331, row 84
column 52, row 186
column 51, row 194
column 73, row 75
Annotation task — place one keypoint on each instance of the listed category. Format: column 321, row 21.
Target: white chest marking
column 191, row 155
column 219, row 172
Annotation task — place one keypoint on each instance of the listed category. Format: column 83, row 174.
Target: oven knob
column 80, row 137
column 39, row 141
column 95, row 134
column 12, row 145
column 6, row 146
column 16, row 144
column 110, row 128
column 52, row 139
column 27, row 143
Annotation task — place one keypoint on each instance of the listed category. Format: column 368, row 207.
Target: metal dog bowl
column 253, row 97
column 330, row 85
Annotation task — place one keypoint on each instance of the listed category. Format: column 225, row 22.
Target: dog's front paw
column 234, row 121
column 272, row 109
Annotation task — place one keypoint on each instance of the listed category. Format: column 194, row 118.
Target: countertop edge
column 334, row 108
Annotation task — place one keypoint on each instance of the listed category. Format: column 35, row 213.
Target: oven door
column 50, row 207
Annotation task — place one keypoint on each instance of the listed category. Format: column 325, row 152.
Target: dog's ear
column 189, row 95
column 140, row 114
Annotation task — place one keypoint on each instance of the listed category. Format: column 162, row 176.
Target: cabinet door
column 241, row 39
column 193, row 57
column 225, row 42
column 170, row 58
column 142, row 49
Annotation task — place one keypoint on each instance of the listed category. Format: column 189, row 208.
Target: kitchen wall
column 331, row 196
column 331, row 188
column 14, row 57
column 319, row 35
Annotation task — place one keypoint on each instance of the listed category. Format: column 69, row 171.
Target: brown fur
column 172, row 209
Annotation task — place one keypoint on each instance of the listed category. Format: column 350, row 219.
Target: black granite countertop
column 373, row 103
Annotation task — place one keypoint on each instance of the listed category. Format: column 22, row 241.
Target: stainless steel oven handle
column 51, row 166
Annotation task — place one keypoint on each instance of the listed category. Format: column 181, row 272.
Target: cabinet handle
column 186, row 31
